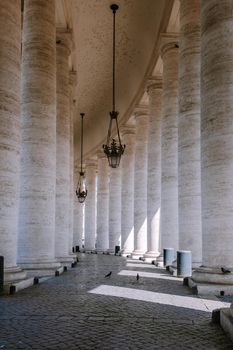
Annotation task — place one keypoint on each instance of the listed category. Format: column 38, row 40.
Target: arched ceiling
column 138, row 24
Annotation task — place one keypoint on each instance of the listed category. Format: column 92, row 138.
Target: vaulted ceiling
column 138, row 25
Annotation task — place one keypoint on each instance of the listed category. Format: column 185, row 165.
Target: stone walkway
column 83, row 310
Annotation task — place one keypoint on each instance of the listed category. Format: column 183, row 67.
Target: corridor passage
column 83, row 310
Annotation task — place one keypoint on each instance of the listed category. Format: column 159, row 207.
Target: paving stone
column 60, row 313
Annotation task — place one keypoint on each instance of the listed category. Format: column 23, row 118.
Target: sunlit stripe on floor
column 160, row 298
column 145, row 266
column 148, row 274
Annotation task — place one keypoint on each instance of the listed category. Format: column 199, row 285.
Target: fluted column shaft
column 154, row 168
column 189, row 189
column 10, row 40
column 90, row 205
column 169, row 139
column 63, row 49
column 38, row 156
column 127, row 191
column 72, row 84
column 217, row 132
column 102, row 239
column 114, row 207
column 140, row 183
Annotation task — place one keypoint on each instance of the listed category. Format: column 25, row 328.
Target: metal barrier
column 168, row 256
column 184, row 263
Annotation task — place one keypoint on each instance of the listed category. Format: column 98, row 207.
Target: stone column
column 79, row 211
column 102, row 240
column 62, row 235
column 140, row 182
column 127, row 190
column 169, row 139
column 216, row 140
column 114, row 207
column 72, row 84
column 90, row 205
column 38, row 125
column 189, row 189
column 154, row 88
column 10, row 56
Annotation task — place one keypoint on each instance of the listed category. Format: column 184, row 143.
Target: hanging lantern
column 113, row 148
column 81, row 191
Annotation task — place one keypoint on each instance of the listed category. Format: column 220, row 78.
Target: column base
column 126, row 253
column 101, row 251
column 89, row 249
column 211, row 280
column 136, row 254
column 226, row 321
column 150, row 256
column 41, row 268
column 67, row 260
column 14, row 274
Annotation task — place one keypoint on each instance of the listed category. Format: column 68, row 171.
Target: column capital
column 64, row 38
column 154, row 82
column 91, row 163
column 141, row 110
column 168, row 41
column 100, row 154
column 127, row 130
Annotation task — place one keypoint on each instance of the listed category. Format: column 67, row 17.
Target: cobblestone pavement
column 66, row 313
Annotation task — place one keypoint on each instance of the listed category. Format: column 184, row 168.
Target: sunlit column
column 10, row 56
column 154, row 89
column 169, row 142
column 127, row 190
column 72, row 85
column 90, row 205
column 189, row 189
column 114, row 207
column 216, row 140
column 38, row 137
column 62, row 234
column 102, row 239
column 140, row 182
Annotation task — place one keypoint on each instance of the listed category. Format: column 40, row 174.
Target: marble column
column 38, row 125
column 78, row 227
column 169, row 142
column 216, row 141
column 127, row 190
column 102, row 239
column 72, row 84
column 10, row 56
column 189, row 162
column 140, row 182
column 114, row 207
column 90, row 205
column 62, row 219
column 154, row 88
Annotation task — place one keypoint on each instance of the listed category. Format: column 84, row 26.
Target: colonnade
column 178, row 193
column 174, row 186
column 36, row 143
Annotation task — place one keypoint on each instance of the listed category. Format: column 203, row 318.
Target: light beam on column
column 169, row 47
column 140, row 182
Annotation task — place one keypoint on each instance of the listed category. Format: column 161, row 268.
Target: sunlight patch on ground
column 188, row 302
column 145, row 266
column 149, row 274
